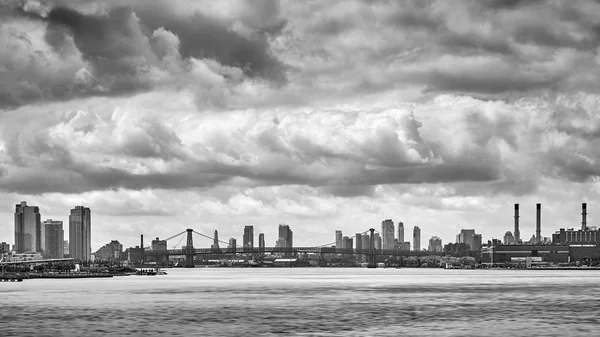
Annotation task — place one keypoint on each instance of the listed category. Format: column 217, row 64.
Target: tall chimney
column 538, row 223
column 142, row 241
column 583, row 216
column 517, row 232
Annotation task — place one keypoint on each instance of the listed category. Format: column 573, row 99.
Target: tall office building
column 387, row 231
column 339, row 239
column 400, row 232
column 80, row 233
column 286, row 237
column 358, row 241
column 435, row 244
column 377, row 240
column 27, row 228
column 417, row 238
column 469, row 237
column 261, row 242
column 232, row 245
column 248, row 237
column 54, row 237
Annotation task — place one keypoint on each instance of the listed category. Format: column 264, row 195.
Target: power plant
column 567, row 245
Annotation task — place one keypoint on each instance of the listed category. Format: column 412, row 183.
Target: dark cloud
column 205, row 37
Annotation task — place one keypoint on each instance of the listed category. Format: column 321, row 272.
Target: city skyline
column 380, row 233
column 321, row 116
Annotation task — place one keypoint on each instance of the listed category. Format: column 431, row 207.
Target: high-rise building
column 377, row 240
column 509, row 239
column 286, row 236
column 417, row 238
column 4, row 247
column 54, row 236
column 27, row 228
column 400, row 232
column 435, row 244
column 358, row 241
column 469, row 237
column 66, row 247
column 80, row 233
column 339, row 239
column 215, row 244
column 387, row 231
column 538, row 223
column 232, row 245
column 261, row 242
column 248, row 237
column 159, row 244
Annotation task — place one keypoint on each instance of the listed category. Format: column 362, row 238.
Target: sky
column 322, row 115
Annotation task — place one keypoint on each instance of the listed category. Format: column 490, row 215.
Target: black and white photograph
column 299, row 168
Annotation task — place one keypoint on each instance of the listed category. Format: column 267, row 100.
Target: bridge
column 189, row 251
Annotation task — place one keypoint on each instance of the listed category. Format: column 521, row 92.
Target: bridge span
column 189, row 251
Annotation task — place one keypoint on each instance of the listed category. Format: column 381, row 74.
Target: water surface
column 307, row 302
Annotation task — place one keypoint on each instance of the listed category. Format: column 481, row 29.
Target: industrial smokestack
column 142, row 241
column 517, row 232
column 538, row 223
column 583, row 216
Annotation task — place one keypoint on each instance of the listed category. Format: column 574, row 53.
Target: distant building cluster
column 46, row 239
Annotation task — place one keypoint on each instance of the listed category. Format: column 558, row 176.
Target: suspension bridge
column 190, row 252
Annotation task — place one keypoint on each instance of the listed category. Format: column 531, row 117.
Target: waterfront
column 308, row 302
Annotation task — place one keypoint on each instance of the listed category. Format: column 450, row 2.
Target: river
column 307, row 302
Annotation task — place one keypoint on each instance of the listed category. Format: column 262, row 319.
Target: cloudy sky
column 323, row 115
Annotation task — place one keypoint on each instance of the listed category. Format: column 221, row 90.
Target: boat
column 146, row 272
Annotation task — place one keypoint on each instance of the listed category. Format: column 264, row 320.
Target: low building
column 514, row 254
column 20, row 257
column 110, row 252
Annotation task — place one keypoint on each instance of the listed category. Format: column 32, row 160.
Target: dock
column 11, row 278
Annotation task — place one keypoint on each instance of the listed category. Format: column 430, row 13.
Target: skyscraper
column 435, row 244
column 469, row 237
column 261, row 242
column 27, row 228
column 416, row 238
column 387, row 230
column 80, row 233
column 377, row 240
column 400, row 232
column 232, row 245
column 286, row 237
column 54, row 237
column 248, row 237
column 339, row 239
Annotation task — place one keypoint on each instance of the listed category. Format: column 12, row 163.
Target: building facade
column 54, row 237
column 400, row 232
column 27, row 228
column 261, row 242
column 387, row 232
column 232, row 244
column 248, row 237
column 158, row 244
column 80, row 233
column 111, row 252
column 435, row 245
column 416, row 238
column 339, row 239
column 469, row 237
column 286, row 237
column 509, row 239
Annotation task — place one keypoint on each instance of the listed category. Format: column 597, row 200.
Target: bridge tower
column 371, row 257
column 189, row 250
